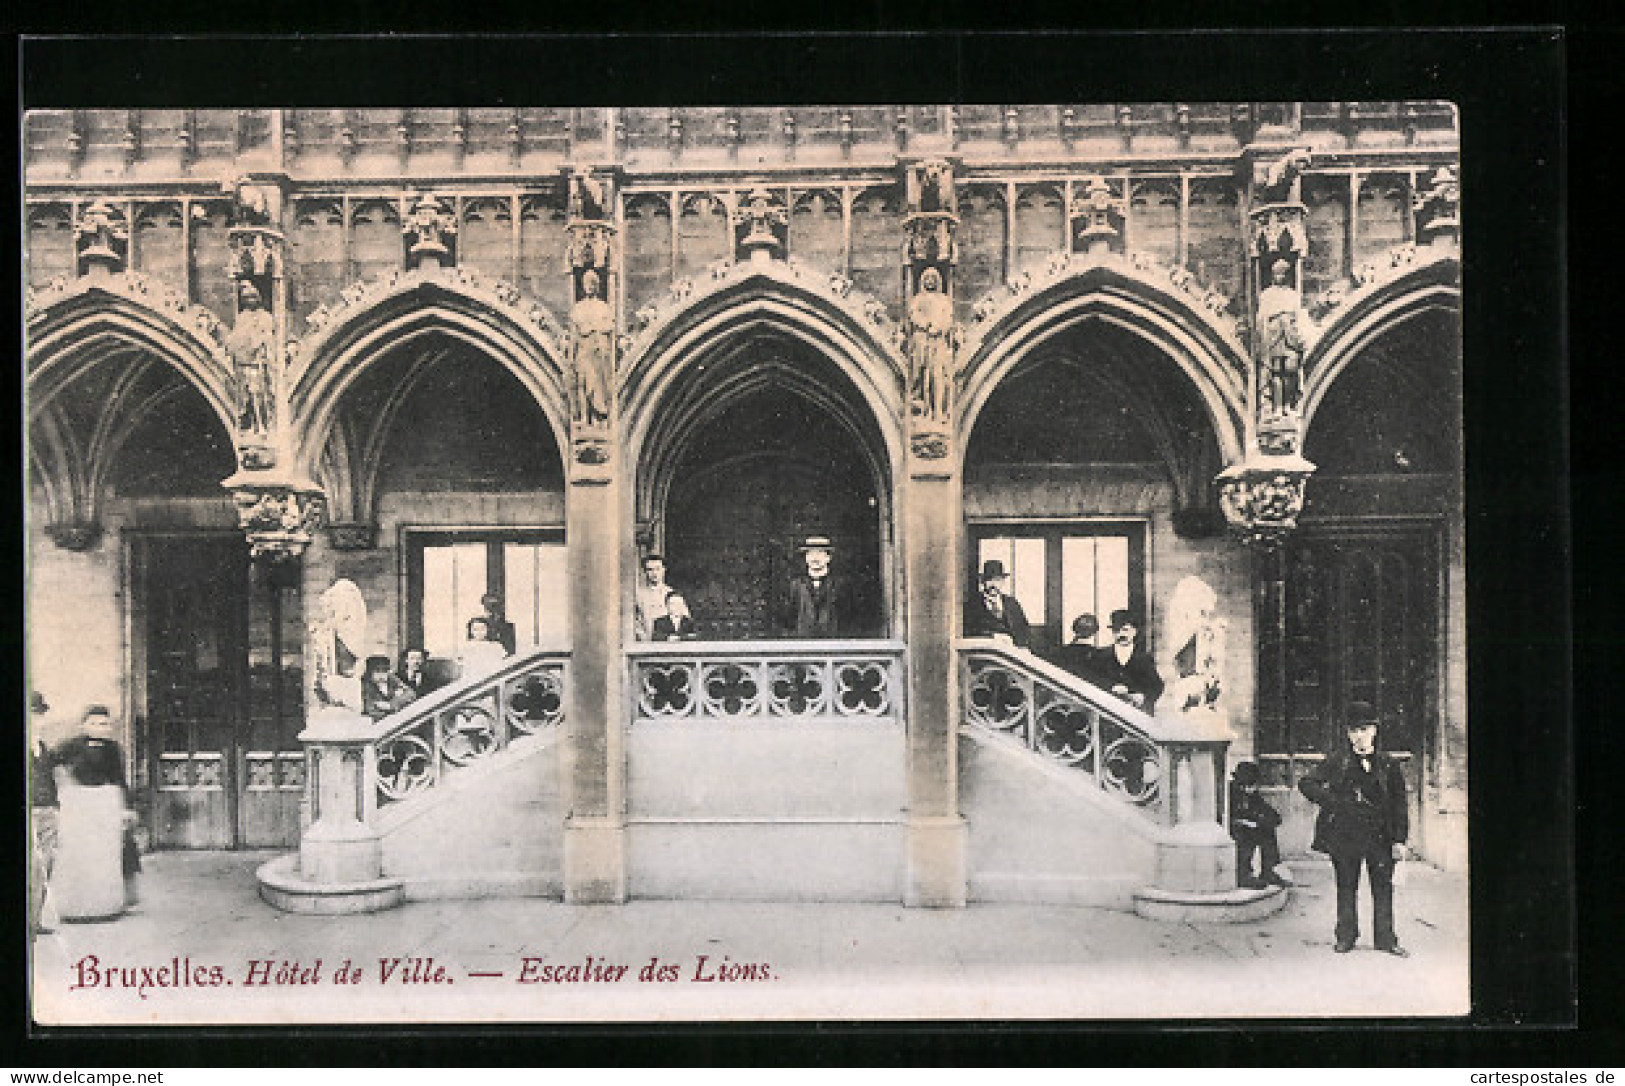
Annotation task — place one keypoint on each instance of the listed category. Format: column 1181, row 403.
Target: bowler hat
column 816, row 543
column 1245, row 773
column 1359, row 714
column 992, row 569
column 1121, row 618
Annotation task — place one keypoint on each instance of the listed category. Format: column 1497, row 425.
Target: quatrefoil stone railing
column 466, row 723
column 790, row 681
column 1169, row 769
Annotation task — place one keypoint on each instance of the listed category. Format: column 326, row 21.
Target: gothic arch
column 493, row 318
column 1130, row 293
column 74, row 325
column 840, row 324
column 1368, row 314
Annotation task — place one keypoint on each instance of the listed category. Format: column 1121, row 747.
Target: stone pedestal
column 339, row 868
column 594, row 759
column 936, row 832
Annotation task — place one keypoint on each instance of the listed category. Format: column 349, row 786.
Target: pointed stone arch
column 844, row 325
column 75, row 324
column 1160, row 305
column 1411, row 283
column 375, row 319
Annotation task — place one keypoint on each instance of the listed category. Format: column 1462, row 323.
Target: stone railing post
column 1195, row 874
column 339, row 867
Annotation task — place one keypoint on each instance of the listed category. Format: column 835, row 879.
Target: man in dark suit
column 1363, row 820
column 1125, row 668
column 1080, row 656
column 818, row 602
column 992, row 612
column 498, row 628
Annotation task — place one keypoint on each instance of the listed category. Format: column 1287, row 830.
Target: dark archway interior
column 1096, row 395
column 466, row 423
column 762, row 467
column 1396, row 408
column 163, row 439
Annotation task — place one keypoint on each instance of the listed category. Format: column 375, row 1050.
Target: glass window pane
column 1080, row 585
column 1111, row 564
column 1027, row 578
column 552, row 610
column 519, row 592
column 453, row 582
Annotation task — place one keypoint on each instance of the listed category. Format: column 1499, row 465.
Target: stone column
column 930, row 529
column 594, row 760
column 929, row 510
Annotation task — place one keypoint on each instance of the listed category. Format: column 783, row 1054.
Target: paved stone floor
column 201, row 921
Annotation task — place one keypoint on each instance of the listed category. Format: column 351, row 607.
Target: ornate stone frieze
column 647, row 323
column 761, row 225
column 101, row 239
column 430, row 233
column 138, row 288
column 1216, row 308
column 1438, row 209
column 1262, row 498
column 358, row 298
column 1096, row 218
column 278, row 516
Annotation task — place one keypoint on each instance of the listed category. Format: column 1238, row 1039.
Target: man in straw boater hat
column 1363, row 819
column 818, row 601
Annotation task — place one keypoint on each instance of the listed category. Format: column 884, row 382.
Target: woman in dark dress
column 96, row 861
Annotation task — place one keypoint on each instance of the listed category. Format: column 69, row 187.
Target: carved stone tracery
column 430, row 232
column 761, row 225
column 101, row 238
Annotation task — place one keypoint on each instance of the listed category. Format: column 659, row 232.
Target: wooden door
column 1351, row 615
column 194, row 593
column 221, row 651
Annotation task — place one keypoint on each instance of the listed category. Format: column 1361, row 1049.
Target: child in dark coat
column 1253, row 823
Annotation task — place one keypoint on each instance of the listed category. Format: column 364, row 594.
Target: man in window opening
column 498, row 628
column 1125, row 668
column 818, row 602
column 649, row 603
column 994, row 613
column 1364, row 819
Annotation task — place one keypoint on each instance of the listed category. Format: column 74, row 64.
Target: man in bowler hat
column 1363, row 819
column 992, row 612
column 1125, row 668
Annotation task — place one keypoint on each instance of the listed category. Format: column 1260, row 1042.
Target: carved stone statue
column 593, row 353
column 1280, row 181
column 936, row 187
column 586, row 197
column 932, row 336
column 1280, row 311
column 338, row 639
column 252, row 345
column 1197, row 635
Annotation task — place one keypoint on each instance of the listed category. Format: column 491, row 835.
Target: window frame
column 415, row 539
column 1055, row 631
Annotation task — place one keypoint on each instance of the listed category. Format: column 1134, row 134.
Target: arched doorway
column 1354, row 603
column 452, row 468
column 767, row 446
column 1085, row 468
